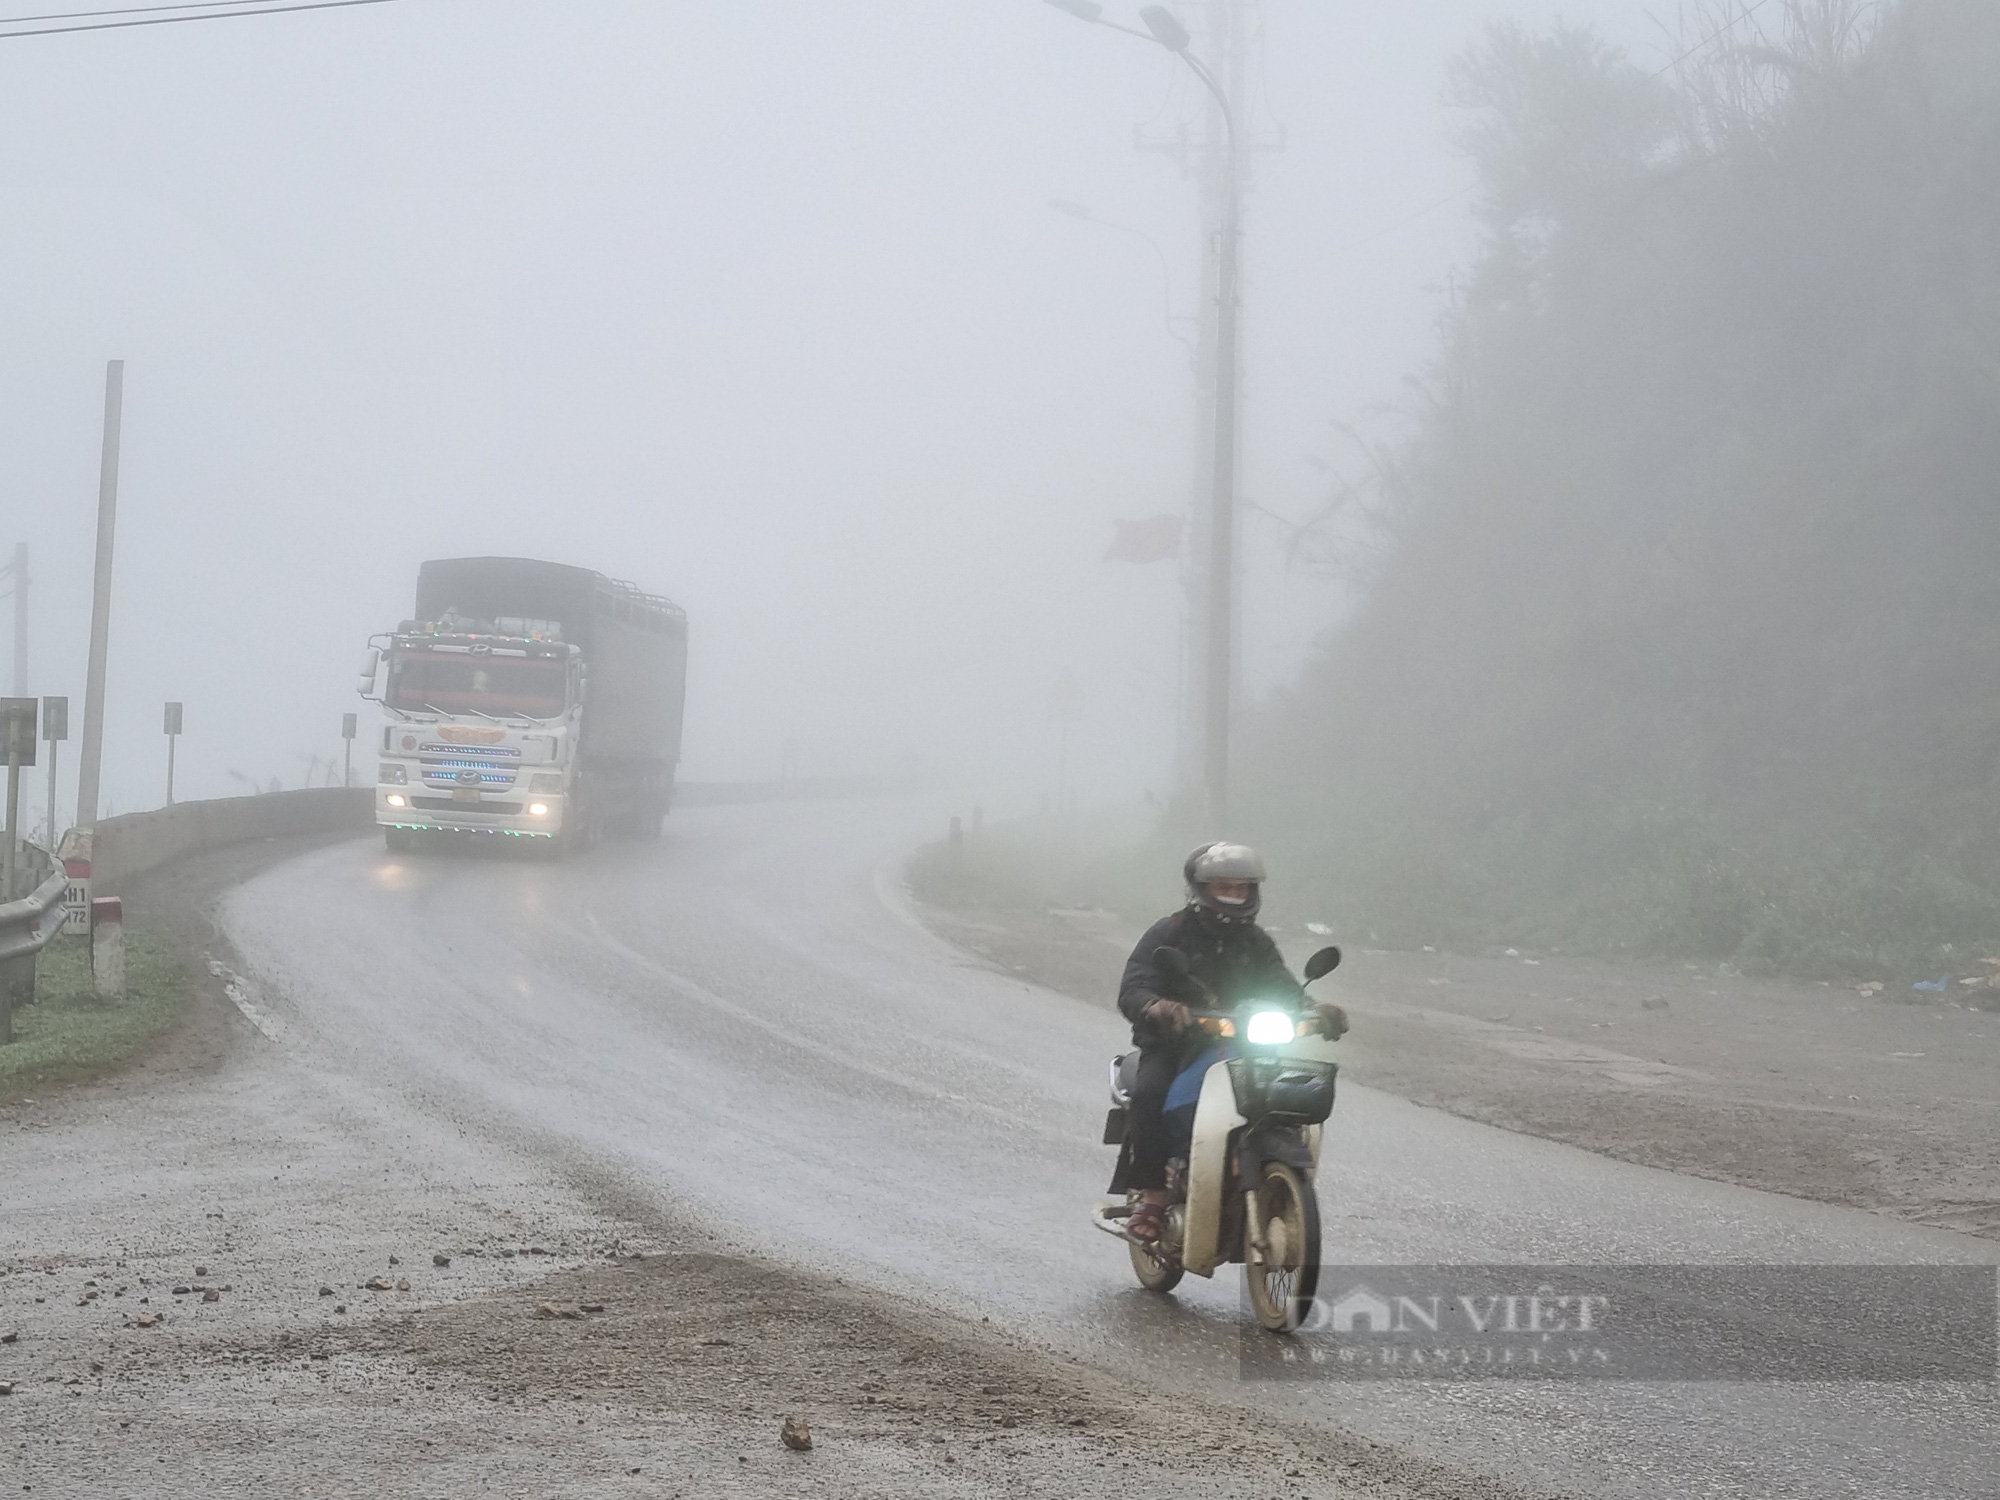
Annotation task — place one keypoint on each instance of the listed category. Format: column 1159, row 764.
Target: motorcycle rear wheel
column 1282, row 1287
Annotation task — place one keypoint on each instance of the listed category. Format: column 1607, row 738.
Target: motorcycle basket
column 1287, row 1090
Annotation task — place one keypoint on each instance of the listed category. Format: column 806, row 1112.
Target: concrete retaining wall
column 133, row 843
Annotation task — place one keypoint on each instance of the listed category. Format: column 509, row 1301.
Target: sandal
column 1143, row 1224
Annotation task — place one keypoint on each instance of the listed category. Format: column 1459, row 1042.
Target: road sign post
column 17, row 725
column 349, row 723
column 55, row 729
column 173, row 734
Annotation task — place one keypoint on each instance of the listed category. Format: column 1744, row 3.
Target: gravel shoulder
column 1810, row 1090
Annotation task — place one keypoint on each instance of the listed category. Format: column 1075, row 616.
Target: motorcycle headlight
column 1270, row 1028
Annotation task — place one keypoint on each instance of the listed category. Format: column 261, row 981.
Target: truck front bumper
column 508, row 815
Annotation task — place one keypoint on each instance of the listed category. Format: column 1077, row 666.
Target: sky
column 762, row 306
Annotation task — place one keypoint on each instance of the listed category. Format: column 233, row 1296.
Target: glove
column 1332, row 1020
column 1168, row 1015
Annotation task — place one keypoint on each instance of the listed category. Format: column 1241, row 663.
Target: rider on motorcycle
column 1230, row 960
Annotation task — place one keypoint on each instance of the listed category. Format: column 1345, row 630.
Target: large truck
column 527, row 700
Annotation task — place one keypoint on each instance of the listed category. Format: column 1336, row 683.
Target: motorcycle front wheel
column 1284, row 1279
column 1156, row 1273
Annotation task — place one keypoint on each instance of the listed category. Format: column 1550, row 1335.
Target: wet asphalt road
column 745, row 1021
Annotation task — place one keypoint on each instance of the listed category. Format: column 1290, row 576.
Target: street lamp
column 1163, row 29
column 1082, row 214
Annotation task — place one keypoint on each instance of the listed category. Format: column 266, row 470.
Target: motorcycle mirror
column 1322, row 964
column 1171, row 962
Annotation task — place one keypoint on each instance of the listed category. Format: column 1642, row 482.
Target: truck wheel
column 399, row 840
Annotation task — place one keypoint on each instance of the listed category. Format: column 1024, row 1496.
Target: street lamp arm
column 1215, row 88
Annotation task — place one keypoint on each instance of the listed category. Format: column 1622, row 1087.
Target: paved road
column 744, row 1019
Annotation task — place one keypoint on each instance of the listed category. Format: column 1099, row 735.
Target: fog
column 760, row 306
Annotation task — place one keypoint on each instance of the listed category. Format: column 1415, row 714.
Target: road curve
column 745, row 1022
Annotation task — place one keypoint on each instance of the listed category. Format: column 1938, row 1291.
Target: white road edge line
column 236, row 987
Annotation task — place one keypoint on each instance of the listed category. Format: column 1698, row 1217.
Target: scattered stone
column 340, row 1307
column 551, row 1310
column 507, row 1254
column 375, row 1284
column 6, row 1387
column 1010, row 1421
column 326, row 1291
column 8, row 1338
column 593, row 1307
column 715, row 1344
column 201, row 1270
column 394, row 1262
column 147, row 1320
column 440, row 1260
column 182, row 1291
column 1653, row 1002
column 796, row 1434
column 211, row 1295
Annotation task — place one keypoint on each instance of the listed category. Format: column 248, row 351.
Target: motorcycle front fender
column 1215, row 1120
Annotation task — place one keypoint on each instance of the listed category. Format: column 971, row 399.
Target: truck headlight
column 396, row 799
column 392, row 775
column 545, row 781
column 538, row 809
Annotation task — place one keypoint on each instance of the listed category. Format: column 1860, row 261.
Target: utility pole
column 18, row 573
column 1217, row 159
column 100, row 598
column 173, row 730
column 1220, row 674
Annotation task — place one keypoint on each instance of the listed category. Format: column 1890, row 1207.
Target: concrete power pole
column 19, row 574
column 1218, row 159
column 100, row 599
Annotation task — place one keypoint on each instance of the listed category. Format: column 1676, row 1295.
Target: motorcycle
column 1243, row 1189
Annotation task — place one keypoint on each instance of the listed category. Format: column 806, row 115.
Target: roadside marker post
column 107, row 947
column 349, row 723
column 55, row 729
column 173, row 734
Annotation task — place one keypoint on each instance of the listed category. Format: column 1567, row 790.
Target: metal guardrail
column 27, row 925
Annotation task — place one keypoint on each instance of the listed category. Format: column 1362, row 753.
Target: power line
column 134, row 10
column 211, row 15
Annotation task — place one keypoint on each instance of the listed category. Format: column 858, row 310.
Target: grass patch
column 71, row 1036
column 1117, row 859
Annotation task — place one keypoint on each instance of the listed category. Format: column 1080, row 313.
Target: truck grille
column 483, row 810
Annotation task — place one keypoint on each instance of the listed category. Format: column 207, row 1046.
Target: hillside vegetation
column 1683, row 636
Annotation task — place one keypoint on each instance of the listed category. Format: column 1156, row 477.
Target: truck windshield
column 504, row 687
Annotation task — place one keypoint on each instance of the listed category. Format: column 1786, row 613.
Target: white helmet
column 1224, row 861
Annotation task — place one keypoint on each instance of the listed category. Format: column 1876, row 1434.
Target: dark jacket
column 1232, row 961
